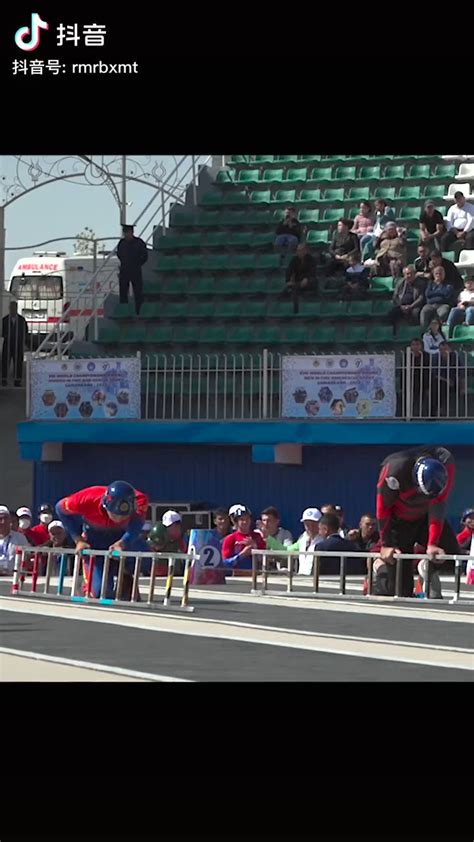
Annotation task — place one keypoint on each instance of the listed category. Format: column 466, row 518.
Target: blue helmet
column 430, row 476
column 119, row 498
column 467, row 513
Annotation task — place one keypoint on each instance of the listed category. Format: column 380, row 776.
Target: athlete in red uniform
column 412, row 490
column 101, row 518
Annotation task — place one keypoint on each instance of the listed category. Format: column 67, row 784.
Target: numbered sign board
column 207, row 569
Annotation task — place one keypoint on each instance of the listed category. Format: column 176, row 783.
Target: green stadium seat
column 215, row 239
column 358, row 194
column 293, row 333
column 320, row 237
column 240, row 159
column 151, row 310
column 296, row 176
column 381, row 308
column 321, row 174
column 419, row 172
column 360, row 309
column 331, row 215
column 231, row 218
column 226, row 177
column 381, row 284
column 345, row 174
column 204, row 286
column 175, row 285
column 308, row 197
column 449, row 255
column 264, row 159
column 463, row 333
column 307, row 216
column 212, row 199
column 215, row 262
column 309, row 309
column 192, row 262
column 277, row 215
column 444, row 171
column 284, row 197
column 133, row 333
column 334, row 194
column 261, row 240
column 261, row 197
column 206, row 219
column 229, row 285
column 181, row 216
column 187, row 334
column 171, row 242
column 235, row 197
column 435, row 192
column 410, row 215
column 267, row 334
column 384, row 193
column 409, row 193
column 192, row 240
column 288, row 159
column 174, row 309
column 249, row 177
column 333, row 309
column 369, row 174
column 322, row 335
column 242, row 262
column 109, row 332
column 274, row 284
column 309, row 158
column 274, row 176
column 167, row 263
column 405, row 333
column 354, row 334
column 253, row 309
column 256, row 285
column 228, row 310
column 380, row 333
column 161, row 334
column 280, row 309
column 394, row 173
column 268, row 261
column 241, row 238
column 352, row 213
column 199, row 309
column 212, row 334
column 240, row 333
column 125, row 311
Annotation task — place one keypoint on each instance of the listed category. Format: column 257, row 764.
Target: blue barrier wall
column 226, row 474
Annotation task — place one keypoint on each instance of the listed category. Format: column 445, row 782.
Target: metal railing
column 265, row 571
column 87, row 306
column 439, row 385
column 28, row 561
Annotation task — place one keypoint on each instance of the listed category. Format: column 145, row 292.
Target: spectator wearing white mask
column 9, row 541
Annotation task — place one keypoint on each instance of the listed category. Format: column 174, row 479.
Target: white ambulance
column 52, row 289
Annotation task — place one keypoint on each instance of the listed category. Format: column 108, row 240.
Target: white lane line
column 385, row 650
column 71, row 662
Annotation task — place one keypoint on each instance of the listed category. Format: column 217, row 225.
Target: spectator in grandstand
column 357, row 279
column 343, row 244
column 166, row 537
column 432, row 226
column 307, row 541
column 270, row 526
column 25, row 517
column 14, row 520
column 222, row 524
column 452, row 275
column 391, row 245
column 366, row 536
column 464, row 312
column 465, row 538
column 57, row 536
column 38, row 535
column 433, row 337
column 460, row 224
column 14, row 332
column 422, row 262
column 438, row 296
column 408, row 298
column 301, row 271
column 237, row 547
column 332, row 541
column 288, row 232
column 363, row 221
column 334, row 509
column 132, row 253
column 420, row 369
column 9, row 541
column 447, row 384
column 383, row 214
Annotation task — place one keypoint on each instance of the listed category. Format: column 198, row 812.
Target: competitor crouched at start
column 105, row 518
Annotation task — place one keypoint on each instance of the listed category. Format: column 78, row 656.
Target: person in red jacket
column 412, row 490
column 237, row 547
column 105, row 518
column 38, row 535
column 465, row 538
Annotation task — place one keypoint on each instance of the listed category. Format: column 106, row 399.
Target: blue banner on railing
column 339, row 386
column 81, row 389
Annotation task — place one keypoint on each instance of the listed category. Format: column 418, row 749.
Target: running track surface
column 235, row 636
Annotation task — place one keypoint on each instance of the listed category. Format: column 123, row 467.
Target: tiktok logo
column 34, row 32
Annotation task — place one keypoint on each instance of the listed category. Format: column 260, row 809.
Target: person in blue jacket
column 334, row 542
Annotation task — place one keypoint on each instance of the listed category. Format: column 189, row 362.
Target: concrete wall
column 16, row 475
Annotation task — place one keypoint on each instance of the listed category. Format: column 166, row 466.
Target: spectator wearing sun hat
column 306, row 543
column 9, row 541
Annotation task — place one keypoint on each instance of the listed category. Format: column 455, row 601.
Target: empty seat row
column 217, row 262
column 319, row 175
column 254, row 309
column 249, row 160
column 330, row 195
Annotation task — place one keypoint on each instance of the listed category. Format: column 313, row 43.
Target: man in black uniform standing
column 132, row 253
column 14, row 332
column 412, row 491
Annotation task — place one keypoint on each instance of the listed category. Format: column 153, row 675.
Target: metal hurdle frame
column 23, row 554
column 265, row 572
